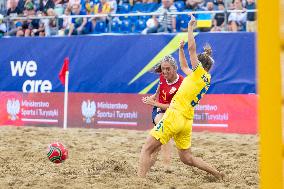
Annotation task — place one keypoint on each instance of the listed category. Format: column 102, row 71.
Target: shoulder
column 162, row 78
column 180, row 77
column 160, row 9
column 173, row 8
column 198, row 66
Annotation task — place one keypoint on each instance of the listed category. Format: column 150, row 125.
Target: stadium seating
column 124, row 8
column 100, row 27
column 180, row 6
column 115, row 26
column 139, row 25
column 126, row 26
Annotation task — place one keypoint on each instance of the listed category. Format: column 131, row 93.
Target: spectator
column 113, row 6
column 237, row 20
column 209, row 6
column 41, row 29
column 77, row 26
column 19, row 29
column 59, row 6
column 21, row 6
column 163, row 23
column 66, row 21
column 50, row 26
column 13, row 10
column 101, row 8
column 3, row 28
column 219, row 19
column 44, row 5
column 88, row 6
column 192, row 5
column 72, row 2
column 251, row 16
column 217, row 2
column 29, row 25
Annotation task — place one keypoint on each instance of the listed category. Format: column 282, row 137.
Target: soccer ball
column 56, row 152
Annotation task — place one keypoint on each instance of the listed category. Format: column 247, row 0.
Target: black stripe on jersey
column 197, row 66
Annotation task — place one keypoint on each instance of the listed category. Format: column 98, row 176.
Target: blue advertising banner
column 120, row 64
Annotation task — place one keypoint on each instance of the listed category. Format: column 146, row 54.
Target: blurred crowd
column 68, row 17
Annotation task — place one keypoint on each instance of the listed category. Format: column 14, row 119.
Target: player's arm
column 161, row 106
column 191, row 42
column 150, row 99
column 153, row 100
column 183, row 62
column 155, row 96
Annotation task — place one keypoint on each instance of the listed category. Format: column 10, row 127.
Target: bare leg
column 188, row 159
column 234, row 26
column 148, row 149
column 166, row 151
column 166, row 157
column 154, row 156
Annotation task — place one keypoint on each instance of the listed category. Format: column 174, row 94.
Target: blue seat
column 139, row 25
column 149, row 7
column 124, row 8
column 126, row 26
column 184, row 19
column 133, row 18
column 180, row 6
column 137, row 7
column 178, row 19
column 96, row 1
column 100, row 27
column 145, row 17
column 115, row 27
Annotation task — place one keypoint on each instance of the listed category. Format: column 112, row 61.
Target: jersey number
column 202, row 92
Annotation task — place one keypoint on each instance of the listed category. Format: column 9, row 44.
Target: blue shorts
column 155, row 112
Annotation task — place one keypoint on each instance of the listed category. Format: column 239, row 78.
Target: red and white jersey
column 168, row 90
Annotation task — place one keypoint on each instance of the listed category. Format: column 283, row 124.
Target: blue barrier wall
column 110, row 64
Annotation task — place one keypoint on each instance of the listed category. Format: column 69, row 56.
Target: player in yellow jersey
column 177, row 121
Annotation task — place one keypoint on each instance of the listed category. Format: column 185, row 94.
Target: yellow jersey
column 102, row 9
column 193, row 87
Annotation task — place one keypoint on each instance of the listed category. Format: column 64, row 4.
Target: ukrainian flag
column 204, row 20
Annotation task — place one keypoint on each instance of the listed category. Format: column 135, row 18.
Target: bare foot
column 168, row 169
column 220, row 176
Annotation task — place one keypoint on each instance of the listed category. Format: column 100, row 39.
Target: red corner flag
column 63, row 70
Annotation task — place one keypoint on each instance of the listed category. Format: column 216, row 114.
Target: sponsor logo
column 13, row 109
column 88, row 109
column 173, row 90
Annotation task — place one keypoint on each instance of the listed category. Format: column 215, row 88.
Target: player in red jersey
column 169, row 83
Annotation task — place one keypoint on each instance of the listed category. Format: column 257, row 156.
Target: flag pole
column 65, row 100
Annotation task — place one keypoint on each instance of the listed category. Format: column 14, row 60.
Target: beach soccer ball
column 56, row 152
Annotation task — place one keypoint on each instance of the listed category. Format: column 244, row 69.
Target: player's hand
column 181, row 44
column 192, row 21
column 148, row 100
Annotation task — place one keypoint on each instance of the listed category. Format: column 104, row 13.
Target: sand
column 108, row 158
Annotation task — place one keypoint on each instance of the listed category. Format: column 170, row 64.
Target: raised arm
column 191, row 42
column 183, row 62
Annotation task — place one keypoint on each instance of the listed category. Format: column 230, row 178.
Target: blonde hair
column 170, row 59
column 206, row 57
